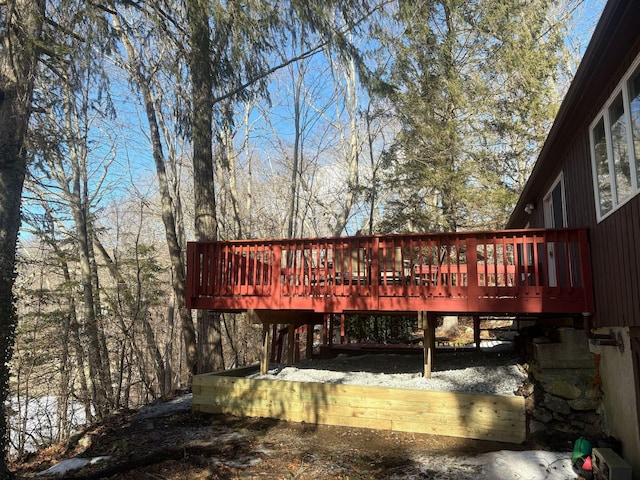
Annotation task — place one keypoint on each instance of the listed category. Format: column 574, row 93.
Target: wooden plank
column 277, row 408
column 403, row 399
column 393, row 410
column 467, row 427
column 467, row 415
column 362, row 392
column 358, row 395
column 294, row 409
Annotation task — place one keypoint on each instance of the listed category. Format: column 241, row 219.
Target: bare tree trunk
column 168, row 353
column 132, row 299
column 373, row 189
column 297, row 158
column 70, row 332
column 73, row 336
column 168, row 209
column 449, row 193
column 102, row 335
column 101, row 383
column 210, row 342
column 247, row 150
column 19, row 33
column 228, row 163
column 353, row 144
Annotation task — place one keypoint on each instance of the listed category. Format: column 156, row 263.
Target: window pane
column 634, row 98
column 620, row 149
column 602, row 168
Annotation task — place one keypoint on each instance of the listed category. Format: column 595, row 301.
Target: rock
column 535, row 427
column 558, row 417
column 564, row 389
column 556, row 404
column 584, row 404
column 525, row 389
column 593, row 393
column 542, row 415
column 85, row 442
column 565, row 428
column 578, row 425
column 538, row 340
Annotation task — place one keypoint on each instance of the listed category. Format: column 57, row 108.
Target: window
column 615, row 146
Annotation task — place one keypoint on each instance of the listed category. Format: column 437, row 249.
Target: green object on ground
column 581, row 448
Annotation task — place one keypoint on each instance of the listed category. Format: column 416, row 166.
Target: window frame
column 633, row 157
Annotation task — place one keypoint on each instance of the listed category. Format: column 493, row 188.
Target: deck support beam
column 291, row 333
column 290, row 321
column 309, row 346
column 264, row 357
column 476, row 331
column 427, row 321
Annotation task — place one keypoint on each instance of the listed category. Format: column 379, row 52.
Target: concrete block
column 570, row 350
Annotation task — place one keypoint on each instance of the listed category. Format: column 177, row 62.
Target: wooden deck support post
column 331, row 320
column 264, row 358
column 476, row 331
column 309, row 346
column 325, row 321
column 427, row 322
column 296, row 353
column 274, row 343
column 291, row 334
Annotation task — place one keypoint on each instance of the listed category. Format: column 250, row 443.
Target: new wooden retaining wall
column 468, row 415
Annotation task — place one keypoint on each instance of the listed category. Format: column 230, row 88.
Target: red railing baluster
column 509, row 271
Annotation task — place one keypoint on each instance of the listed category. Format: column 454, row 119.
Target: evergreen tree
column 475, row 94
column 20, row 31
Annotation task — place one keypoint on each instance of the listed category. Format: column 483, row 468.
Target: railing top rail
column 431, row 235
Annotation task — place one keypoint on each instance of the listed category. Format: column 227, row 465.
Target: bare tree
column 145, row 81
column 344, row 69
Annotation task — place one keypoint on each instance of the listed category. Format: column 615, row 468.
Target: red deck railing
column 514, row 271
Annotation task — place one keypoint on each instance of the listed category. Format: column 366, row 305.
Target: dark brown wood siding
column 615, row 241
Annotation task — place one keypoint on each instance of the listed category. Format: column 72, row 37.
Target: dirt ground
column 175, row 444
column 186, row 446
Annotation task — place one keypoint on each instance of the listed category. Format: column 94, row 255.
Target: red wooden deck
column 514, row 271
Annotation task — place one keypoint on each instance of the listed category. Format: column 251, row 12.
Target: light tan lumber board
column 468, row 415
column 478, row 410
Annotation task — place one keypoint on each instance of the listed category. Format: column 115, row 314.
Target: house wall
column 614, row 241
column 619, row 403
column 616, row 281
column 616, row 273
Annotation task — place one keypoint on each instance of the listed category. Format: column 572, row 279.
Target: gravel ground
column 495, row 371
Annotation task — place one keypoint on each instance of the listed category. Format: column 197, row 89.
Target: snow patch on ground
column 71, row 464
column 531, row 465
column 178, row 404
column 501, row 465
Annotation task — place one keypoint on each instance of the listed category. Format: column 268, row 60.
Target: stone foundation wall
column 565, row 397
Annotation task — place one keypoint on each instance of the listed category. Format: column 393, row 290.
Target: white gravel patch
column 487, row 372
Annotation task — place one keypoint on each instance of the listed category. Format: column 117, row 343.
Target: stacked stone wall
column 564, row 399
